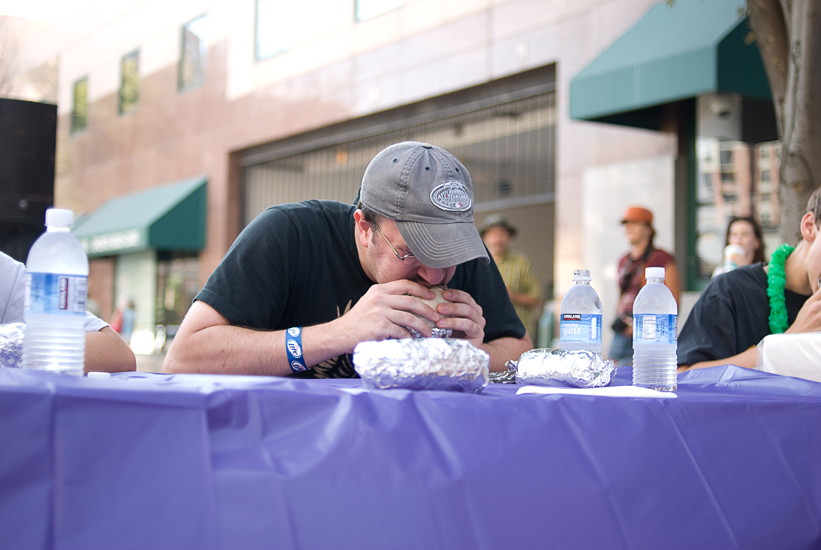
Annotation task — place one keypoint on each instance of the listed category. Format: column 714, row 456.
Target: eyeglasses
column 402, row 258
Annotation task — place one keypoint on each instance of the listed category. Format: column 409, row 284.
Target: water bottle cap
column 654, row 273
column 59, row 216
column 581, row 275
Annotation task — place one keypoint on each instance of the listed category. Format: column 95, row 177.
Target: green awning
column 168, row 217
column 673, row 53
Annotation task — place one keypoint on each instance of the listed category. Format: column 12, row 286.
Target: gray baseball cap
column 429, row 194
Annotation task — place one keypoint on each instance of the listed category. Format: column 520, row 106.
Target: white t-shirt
column 13, row 295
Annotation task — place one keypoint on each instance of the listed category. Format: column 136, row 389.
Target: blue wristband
column 293, row 346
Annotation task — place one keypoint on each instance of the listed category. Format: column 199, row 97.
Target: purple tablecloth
column 153, row 461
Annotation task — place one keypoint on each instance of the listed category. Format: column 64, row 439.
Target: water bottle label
column 654, row 329
column 53, row 293
column 581, row 328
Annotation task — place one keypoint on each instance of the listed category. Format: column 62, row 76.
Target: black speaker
column 16, row 239
column 28, row 135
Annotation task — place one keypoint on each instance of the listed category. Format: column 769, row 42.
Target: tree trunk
column 789, row 39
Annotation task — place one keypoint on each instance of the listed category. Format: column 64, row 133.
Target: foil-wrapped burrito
column 422, row 364
column 11, row 345
column 560, row 367
column 437, row 332
column 437, row 299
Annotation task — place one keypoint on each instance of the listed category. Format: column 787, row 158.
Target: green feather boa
column 776, row 281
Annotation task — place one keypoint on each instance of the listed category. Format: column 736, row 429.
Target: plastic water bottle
column 56, row 288
column 654, row 334
column 580, row 316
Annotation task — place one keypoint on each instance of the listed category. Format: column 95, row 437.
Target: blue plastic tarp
column 192, row 461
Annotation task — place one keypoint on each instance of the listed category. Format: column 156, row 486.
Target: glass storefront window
column 177, row 284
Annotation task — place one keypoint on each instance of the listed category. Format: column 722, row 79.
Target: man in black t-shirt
column 732, row 314
column 305, row 282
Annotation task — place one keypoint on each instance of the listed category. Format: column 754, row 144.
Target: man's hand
column 384, row 312
column 465, row 316
column 809, row 317
column 386, row 309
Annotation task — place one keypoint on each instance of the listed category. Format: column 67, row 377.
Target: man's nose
column 431, row 275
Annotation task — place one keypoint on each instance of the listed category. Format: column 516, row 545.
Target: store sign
column 111, row 242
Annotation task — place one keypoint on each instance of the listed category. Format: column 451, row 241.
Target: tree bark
column 788, row 33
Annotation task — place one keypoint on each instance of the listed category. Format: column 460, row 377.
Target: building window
column 726, row 156
column 366, row 9
column 278, row 24
column 193, row 55
column 129, row 82
column 79, row 105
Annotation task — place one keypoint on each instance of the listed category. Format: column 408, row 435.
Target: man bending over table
column 331, row 275
column 739, row 308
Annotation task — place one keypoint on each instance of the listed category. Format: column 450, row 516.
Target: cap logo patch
column 451, row 196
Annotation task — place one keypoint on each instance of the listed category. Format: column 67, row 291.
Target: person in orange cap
column 638, row 228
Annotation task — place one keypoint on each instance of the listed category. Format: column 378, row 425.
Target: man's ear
column 363, row 228
column 809, row 231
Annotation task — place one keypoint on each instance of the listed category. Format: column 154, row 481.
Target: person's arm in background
column 522, row 299
column 107, row 352
column 526, row 292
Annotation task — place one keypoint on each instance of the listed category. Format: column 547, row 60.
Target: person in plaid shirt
column 515, row 268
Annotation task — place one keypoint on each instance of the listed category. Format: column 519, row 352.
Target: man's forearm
column 744, row 359
column 503, row 349
column 227, row 349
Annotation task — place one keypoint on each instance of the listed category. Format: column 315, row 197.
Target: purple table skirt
column 150, row 461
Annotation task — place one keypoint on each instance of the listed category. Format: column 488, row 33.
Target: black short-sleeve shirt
column 731, row 315
column 297, row 265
